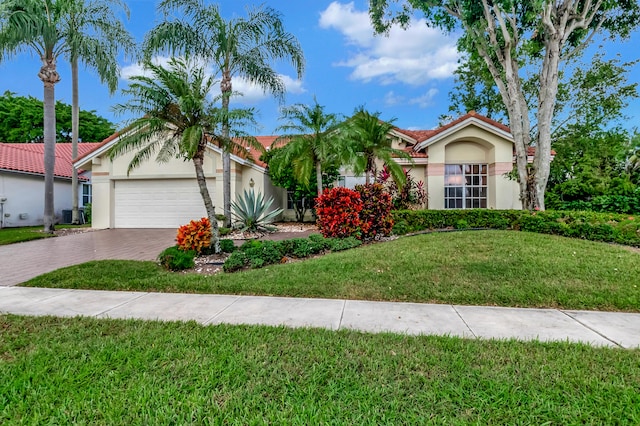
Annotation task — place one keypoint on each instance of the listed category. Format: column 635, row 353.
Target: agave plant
column 252, row 212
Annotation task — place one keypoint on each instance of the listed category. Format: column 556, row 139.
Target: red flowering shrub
column 338, row 212
column 196, row 235
column 375, row 216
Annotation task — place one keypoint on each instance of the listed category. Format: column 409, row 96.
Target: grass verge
column 87, row 371
column 18, row 235
column 502, row 268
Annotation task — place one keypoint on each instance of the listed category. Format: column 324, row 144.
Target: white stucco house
column 22, row 182
column 165, row 195
column 463, row 165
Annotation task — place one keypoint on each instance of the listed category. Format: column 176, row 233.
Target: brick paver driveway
column 23, row 261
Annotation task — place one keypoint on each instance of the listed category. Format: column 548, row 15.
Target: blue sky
column 406, row 75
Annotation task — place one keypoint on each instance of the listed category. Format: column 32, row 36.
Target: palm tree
column 95, row 36
column 33, row 25
column 239, row 47
column 309, row 141
column 367, row 141
column 177, row 121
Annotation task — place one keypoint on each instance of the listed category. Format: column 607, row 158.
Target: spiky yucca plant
column 252, row 213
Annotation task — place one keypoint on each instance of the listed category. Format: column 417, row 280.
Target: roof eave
column 453, row 129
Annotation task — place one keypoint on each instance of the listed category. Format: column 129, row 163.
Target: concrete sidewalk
column 596, row 328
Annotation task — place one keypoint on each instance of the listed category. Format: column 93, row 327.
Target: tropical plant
column 375, row 216
column 412, row 195
column 34, row 25
column 338, row 211
column 301, row 196
column 239, row 47
column 253, row 212
column 95, row 36
column 367, row 141
column 309, row 143
column 195, row 235
column 177, row 121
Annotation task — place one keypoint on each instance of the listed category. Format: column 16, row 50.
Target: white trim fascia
column 402, row 136
column 101, row 150
column 471, row 120
column 106, row 146
column 238, row 160
column 36, row 174
column 416, row 161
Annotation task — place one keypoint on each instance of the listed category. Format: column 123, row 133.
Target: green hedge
column 256, row 254
column 608, row 227
column 625, row 204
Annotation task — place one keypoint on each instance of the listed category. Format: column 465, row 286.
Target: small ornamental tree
column 338, row 211
column 375, row 216
column 196, row 235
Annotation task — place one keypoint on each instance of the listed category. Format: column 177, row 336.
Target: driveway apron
column 23, row 261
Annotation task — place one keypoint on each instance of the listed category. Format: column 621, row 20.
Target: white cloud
column 136, row 69
column 391, row 99
column 425, row 100
column 251, row 93
column 414, row 56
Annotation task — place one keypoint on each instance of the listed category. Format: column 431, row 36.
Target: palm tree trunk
column 319, row 177
column 226, row 89
column 49, row 76
column 75, row 127
column 367, row 173
column 208, row 204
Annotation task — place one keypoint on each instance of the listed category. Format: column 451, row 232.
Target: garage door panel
column 166, row 203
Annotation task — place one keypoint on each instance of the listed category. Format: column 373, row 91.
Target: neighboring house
column 22, row 182
column 463, row 165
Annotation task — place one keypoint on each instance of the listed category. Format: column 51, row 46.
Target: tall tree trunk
column 226, row 90
column 49, row 76
column 547, row 102
column 505, row 71
column 198, row 160
column 319, row 177
column 75, row 128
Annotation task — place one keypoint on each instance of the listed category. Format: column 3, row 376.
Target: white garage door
column 165, row 203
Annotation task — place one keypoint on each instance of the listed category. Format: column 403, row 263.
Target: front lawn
column 18, row 235
column 28, row 233
column 87, row 371
column 502, row 268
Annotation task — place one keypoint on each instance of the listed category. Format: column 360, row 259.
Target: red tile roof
column 409, row 150
column 418, row 135
column 266, row 142
column 29, row 157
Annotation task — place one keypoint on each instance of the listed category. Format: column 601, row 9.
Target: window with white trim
column 86, row 194
column 465, row 186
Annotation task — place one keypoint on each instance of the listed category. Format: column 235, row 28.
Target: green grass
column 88, row 371
column 502, row 268
column 18, row 235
